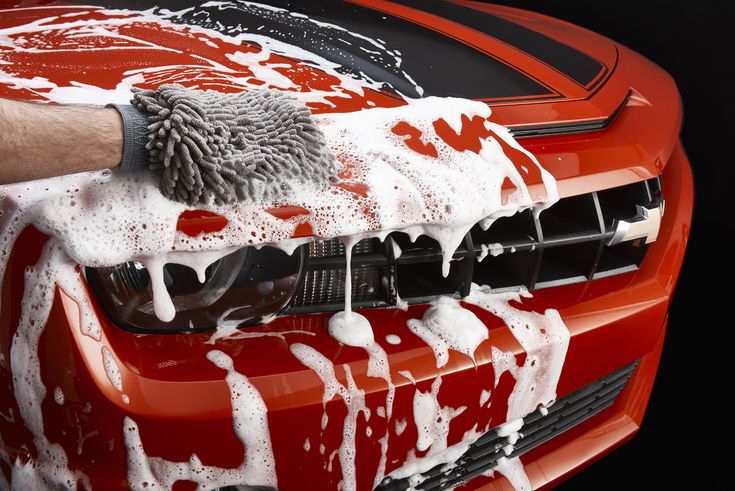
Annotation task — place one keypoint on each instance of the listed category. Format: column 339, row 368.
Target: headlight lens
column 250, row 285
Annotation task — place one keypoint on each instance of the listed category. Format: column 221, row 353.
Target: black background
column 693, row 41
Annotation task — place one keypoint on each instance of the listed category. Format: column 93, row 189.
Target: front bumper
column 182, row 405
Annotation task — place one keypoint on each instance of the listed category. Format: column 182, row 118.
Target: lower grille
column 483, row 455
column 567, row 244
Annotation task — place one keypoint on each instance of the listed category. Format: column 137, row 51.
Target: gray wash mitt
column 231, row 147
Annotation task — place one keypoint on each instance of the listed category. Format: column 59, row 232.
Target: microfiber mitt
column 210, row 146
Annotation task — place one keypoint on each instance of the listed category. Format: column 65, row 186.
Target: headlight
column 249, row 285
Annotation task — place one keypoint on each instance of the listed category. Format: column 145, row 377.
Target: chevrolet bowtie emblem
column 645, row 225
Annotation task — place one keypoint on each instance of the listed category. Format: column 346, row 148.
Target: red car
column 277, row 401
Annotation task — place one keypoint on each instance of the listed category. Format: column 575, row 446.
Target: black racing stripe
column 569, row 61
column 439, row 64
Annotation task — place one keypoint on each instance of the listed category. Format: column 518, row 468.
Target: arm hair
column 44, row 140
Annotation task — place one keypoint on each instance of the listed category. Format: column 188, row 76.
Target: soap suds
column 432, row 421
column 108, row 218
column 380, row 471
column 353, row 399
column 447, row 325
column 112, row 369
column 392, row 339
column 513, row 470
column 484, row 397
column 50, row 468
column 401, row 425
column 415, row 467
column 58, row 396
column 353, row 329
column 544, row 338
column 494, row 249
column 250, row 424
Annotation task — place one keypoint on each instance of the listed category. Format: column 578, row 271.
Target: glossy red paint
column 195, row 222
column 413, row 140
column 181, row 402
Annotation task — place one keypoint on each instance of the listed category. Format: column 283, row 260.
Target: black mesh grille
column 566, row 245
column 537, row 429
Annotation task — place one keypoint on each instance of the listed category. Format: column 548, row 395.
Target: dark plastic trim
column 538, row 429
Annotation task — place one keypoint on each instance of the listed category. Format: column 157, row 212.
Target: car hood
column 540, row 76
column 419, row 48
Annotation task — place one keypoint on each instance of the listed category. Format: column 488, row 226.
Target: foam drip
column 250, row 424
column 112, row 370
column 108, row 218
column 544, row 338
column 513, row 470
column 447, row 325
column 354, row 401
column 432, row 420
column 50, row 468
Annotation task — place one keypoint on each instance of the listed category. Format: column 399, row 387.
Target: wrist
column 135, row 136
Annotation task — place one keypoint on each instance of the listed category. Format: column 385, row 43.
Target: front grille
column 565, row 245
column 483, row 454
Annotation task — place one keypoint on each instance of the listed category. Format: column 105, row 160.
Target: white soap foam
column 392, row 339
column 250, row 424
column 396, row 249
column 401, row 425
column 511, row 430
column 108, row 24
column 58, row 396
column 447, row 325
column 380, row 471
column 432, row 420
column 51, row 464
column 112, row 369
column 353, row 329
column 513, row 470
column 494, row 249
column 400, row 303
column 544, row 338
column 503, row 361
column 484, row 397
column 104, row 219
column 415, row 467
column 483, row 253
column 354, row 401
column 257, row 62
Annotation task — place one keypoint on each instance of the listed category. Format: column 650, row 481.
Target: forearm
column 40, row 140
